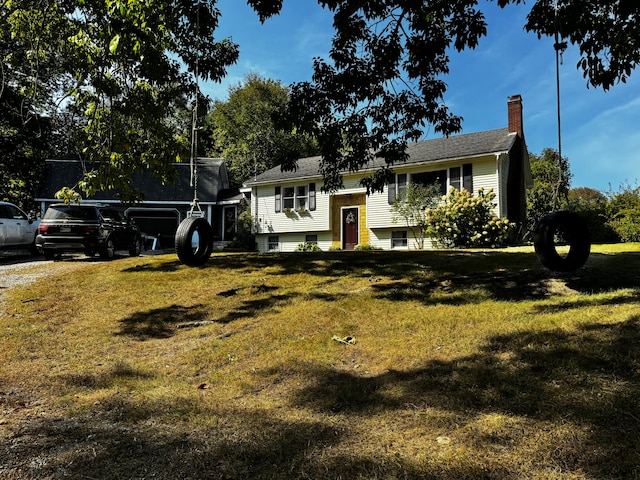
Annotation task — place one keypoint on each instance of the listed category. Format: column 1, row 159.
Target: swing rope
column 195, row 205
column 559, row 47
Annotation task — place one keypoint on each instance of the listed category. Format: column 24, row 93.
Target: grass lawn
column 340, row 365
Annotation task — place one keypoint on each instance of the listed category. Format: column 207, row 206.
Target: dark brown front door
column 349, row 228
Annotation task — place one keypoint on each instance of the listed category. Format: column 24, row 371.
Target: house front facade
column 289, row 208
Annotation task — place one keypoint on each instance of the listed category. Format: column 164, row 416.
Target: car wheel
column 574, row 232
column 49, row 254
column 136, row 248
column 33, row 250
column 109, row 250
column 194, row 241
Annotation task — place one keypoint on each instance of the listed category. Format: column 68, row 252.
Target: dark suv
column 86, row 228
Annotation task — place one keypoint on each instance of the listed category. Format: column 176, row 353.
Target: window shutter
column 467, row 177
column 278, row 199
column 312, row 196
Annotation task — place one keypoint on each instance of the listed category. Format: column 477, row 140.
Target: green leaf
column 113, row 44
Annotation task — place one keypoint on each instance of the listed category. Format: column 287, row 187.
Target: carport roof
column 212, row 179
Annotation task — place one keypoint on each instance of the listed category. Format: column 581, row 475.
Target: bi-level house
column 289, row 208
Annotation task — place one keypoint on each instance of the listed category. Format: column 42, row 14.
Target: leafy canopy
column 382, row 84
column 250, row 130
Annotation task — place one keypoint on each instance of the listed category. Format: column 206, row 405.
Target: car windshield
column 70, row 212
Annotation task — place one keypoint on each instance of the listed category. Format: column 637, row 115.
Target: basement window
column 399, row 239
column 273, row 243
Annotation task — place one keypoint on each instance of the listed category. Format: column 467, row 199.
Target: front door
column 350, row 229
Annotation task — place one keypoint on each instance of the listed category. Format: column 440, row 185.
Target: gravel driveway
column 20, row 268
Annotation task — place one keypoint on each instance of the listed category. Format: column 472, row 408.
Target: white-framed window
column 399, row 239
column 302, row 197
column 397, row 189
column 461, row 177
column 435, row 177
column 273, row 243
column 295, row 197
column 289, row 197
column 313, row 239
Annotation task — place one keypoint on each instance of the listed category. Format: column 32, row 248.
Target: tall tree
column 382, row 83
column 24, row 145
column 249, row 130
column 384, row 79
column 551, row 181
column 126, row 61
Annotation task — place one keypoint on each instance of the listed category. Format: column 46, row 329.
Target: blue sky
column 600, row 130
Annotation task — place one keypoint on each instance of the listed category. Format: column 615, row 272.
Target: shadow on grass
column 164, row 322
column 581, row 387
column 161, row 322
column 589, row 378
column 436, row 276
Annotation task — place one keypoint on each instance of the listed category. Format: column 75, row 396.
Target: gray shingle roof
column 454, row 147
column 212, row 178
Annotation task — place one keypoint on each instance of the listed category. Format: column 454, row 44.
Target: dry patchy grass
column 462, row 365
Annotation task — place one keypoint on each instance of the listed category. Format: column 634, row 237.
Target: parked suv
column 86, row 228
column 17, row 229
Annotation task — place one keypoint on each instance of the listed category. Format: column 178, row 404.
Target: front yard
column 352, row 365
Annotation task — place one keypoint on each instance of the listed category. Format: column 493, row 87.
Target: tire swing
column 194, row 241
column 571, row 230
column 194, row 237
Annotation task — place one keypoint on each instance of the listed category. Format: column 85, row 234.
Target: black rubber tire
column 576, row 235
column 49, row 254
column 109, row 250
column 194, row 257
column 136, row 247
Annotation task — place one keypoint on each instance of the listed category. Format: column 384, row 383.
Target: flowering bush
column 463, row 220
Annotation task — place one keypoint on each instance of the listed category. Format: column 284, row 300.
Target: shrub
column 367, row 247
column 308, row 247
column 467, row 221
column 591, row 205
column 624, row 213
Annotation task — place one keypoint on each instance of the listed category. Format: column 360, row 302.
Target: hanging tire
column 572, row 230
column 194, row 241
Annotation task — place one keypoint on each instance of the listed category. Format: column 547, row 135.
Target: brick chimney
column 514, row 108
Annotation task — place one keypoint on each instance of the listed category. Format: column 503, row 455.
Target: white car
column 17, row 229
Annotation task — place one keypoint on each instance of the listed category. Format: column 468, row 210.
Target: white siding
column 485, row 175
column 269, row 221
column 289, row 242
column 382, row 238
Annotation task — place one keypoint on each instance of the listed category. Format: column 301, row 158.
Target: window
column 455, row 179
column 299, row 197
column 398, row 189
column 311, row 239
column 302, row 197
column 273, row 243
column 399, row 239
column 436, row 177
column 289, row 197
column 15, row 213
column 461, row 177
